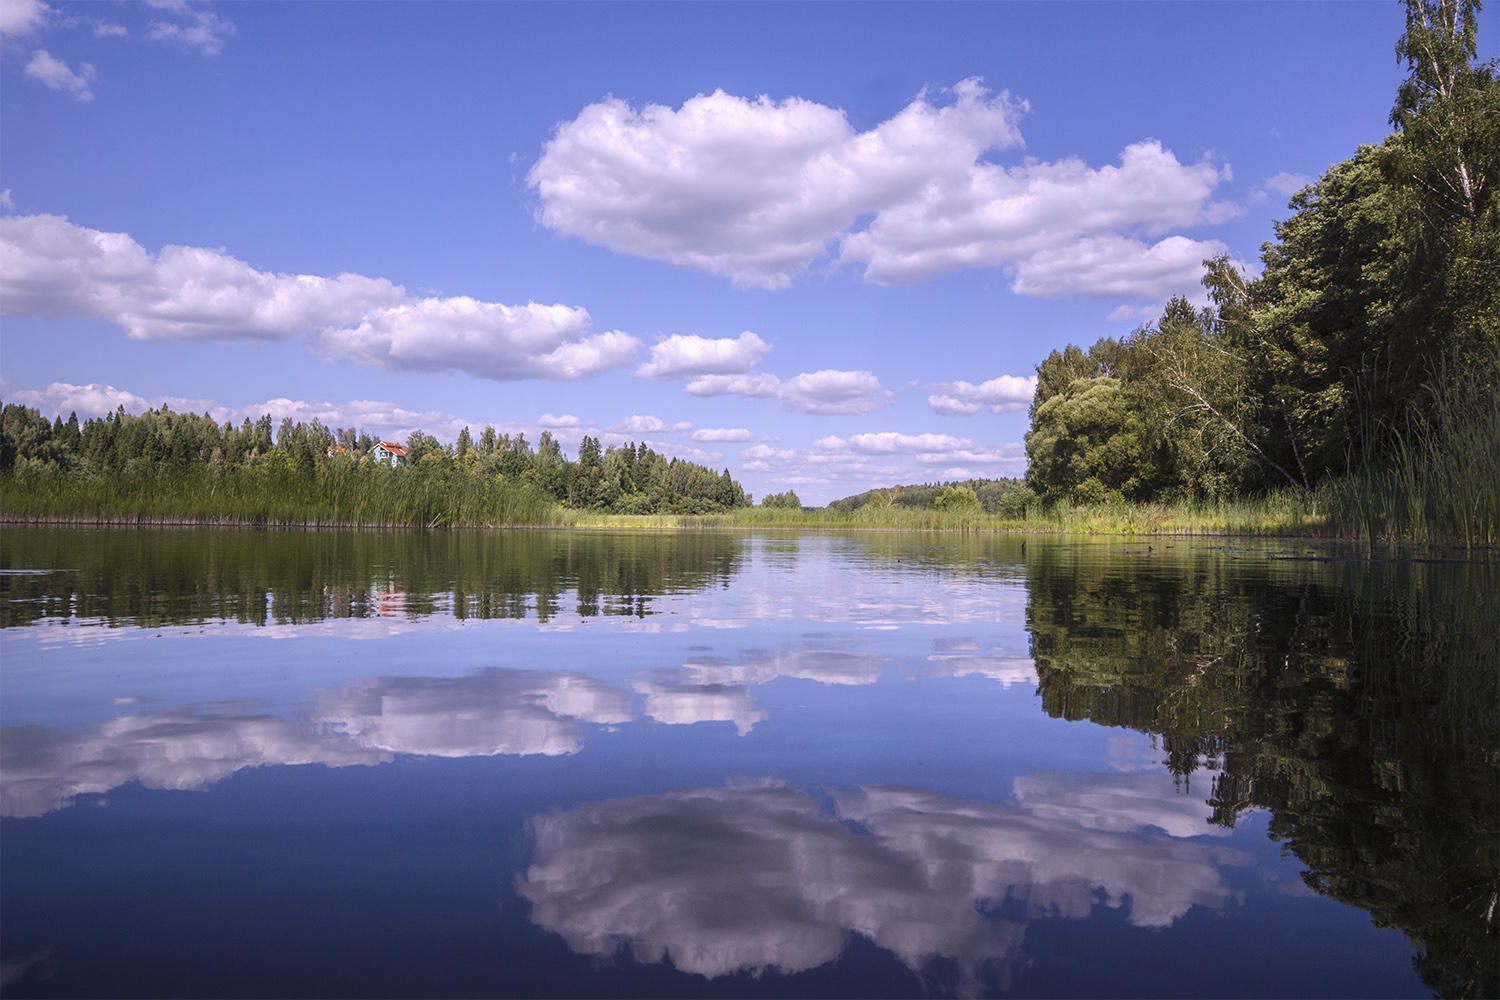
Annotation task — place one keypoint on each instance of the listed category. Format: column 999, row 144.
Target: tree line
column 630, row 478
column 1006, row 497
column 1368, row 347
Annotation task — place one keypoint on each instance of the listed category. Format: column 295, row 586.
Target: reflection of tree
column 1357, row 701
column 160, row 577
column 765, row 876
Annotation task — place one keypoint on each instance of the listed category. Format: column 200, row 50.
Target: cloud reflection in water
column 756, row 877
column 709, row 689
column 185, row 749
column 368, row 722
column 494, row 711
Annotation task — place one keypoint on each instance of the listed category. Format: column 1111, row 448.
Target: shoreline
column 152, row 521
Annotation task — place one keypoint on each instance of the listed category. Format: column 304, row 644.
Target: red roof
column 394, row 448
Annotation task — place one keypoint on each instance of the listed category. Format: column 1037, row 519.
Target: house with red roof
column 389, row 453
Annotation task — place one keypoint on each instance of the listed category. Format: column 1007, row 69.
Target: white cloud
column 1286, row 184
column 566, row 420
column 928, row 449
column 646, row 424
column 1113, row 266
column 832, row 391
column 992, row 216
column 687, row 356
column 19, row 18
column 55, row 73
column 759, row 191
column 861, row 461
column 386, row 419
column 732, row 434
column 196, row 28
column 999, row 395
column 93, row 400
column 1131, row 312
column 756, row 385
column 751, row 190
column 6, row 202
column 485, row 339
column 51, row 267
column 825, row 392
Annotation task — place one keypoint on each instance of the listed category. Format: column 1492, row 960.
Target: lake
column 639, row 763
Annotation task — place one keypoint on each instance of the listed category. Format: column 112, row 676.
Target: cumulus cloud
column 1114, row 266
column 758, row 191
column 757, row 385
column 646, row 424
column 751, row 190
column 55, row 73
column 19, row 18
column 1028, row 217
column 731, row 434
column 566, row 420
column 831, row 391
column 929, row 449
column 682, row 356
column 93, row 400
column 998, row 395
column 759, row 876
column 485, row 339
column 861, row 461
column 50, row 267
column 386, row 419
column 825, row 392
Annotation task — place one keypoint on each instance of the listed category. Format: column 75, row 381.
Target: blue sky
column 821, row 245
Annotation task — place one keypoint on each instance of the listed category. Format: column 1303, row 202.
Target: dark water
column 718, row 764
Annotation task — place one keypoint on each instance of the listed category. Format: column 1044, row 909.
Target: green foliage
column 1334, row 369
column 955, row 498
column 1008, row 497
column 788, row 500
column 1089, row 439
column 164, row 465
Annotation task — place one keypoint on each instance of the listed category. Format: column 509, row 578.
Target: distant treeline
column 165, row 464
column 1006, row 497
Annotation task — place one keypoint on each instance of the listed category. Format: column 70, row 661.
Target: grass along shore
column 1348, row 509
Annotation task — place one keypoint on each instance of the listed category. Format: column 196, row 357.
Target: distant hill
column 992, row 493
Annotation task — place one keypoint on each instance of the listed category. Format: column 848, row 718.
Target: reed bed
column 1435, row 480
column 333, row 494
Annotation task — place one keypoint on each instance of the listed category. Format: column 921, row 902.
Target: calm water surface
column 243, row 763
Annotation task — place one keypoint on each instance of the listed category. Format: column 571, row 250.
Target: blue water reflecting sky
column 830, row 774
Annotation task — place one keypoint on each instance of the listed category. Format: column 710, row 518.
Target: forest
column 187, row 466
column 1360, row 364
